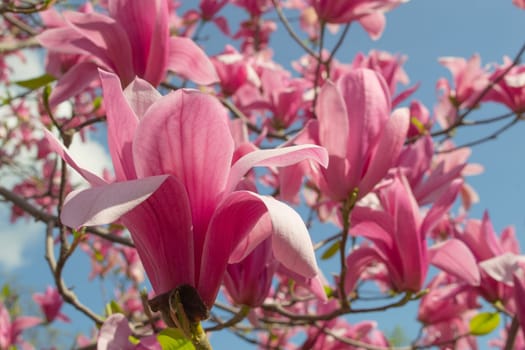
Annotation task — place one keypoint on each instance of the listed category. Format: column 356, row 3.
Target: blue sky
column 423, row 31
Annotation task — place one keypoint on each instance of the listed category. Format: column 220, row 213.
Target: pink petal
column 122, row 123
column 374, row 24
column 503, row 267
column 441, row 206
column 186, row 134
column 455, row 258
column 279, row 157
column 146, row 24
column 162, row 230
column 24, row 322
column 388, row 149
column 291, row 242
column 59, row 148
column 105, row 39
column 140, row 96
column 104, row 204
column 332, row 110
column 79, row 77
column 189, row 61
column 232, row 222
column 114, row 334
column 358, row 261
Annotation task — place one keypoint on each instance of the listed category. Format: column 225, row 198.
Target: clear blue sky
column 424, row 31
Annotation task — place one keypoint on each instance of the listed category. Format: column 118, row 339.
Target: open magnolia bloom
column 175, row 189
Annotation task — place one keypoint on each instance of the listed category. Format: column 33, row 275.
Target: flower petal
column 454, row 257
column 186, row 134
column 59, row 148
column 73, row 82
column 189, row 61
column 276, row 157
column 104, row 204
column 161, row 227
column 146, row 24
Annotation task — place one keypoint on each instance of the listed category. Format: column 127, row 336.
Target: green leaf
column 484, row 323
column 174, row 339
column 113, row 308
column 331, row 251
column 36, row 83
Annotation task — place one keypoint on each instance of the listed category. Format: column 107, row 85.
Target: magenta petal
column 519, row 292
column 162, row 230
column 59, row 148
column 276, row 157
column 73, row 82
column 454, row 257
column 188, row 60
column 24, row 322
column 106, row 203
column 122, row 123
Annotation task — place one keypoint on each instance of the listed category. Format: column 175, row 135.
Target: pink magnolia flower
column 50, row 303
column 366, row 141
column 370, row 13
column 254, row 7
column 509, row 90
column 175, row 189
column 469, row 80
column 399, row 236
column 481, row 238
column 133, row 40
column 11, row 329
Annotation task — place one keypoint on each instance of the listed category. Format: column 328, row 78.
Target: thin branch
column 292, row 33
column 67, row 294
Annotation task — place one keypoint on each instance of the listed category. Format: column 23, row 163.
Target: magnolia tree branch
column 56, row 268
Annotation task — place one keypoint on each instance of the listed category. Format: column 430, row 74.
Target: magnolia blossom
column 399, row 236
column 175, row 189
column 134, row 40
column 366, row 141
column 369, row 13
column 50, row 303
column 509, row 90
column 11, row 329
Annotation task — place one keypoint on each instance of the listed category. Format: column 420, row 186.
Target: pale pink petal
column 332, row 110
column 79, row 77
column 140, row 96
column 279, row 157
column 189, row 61
column 374, row 24
column 104, row 204
column 59, row 148
column 122, row 123
column 390, row 144
column 114, row 334
column 503, row 267
column 455, row 258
